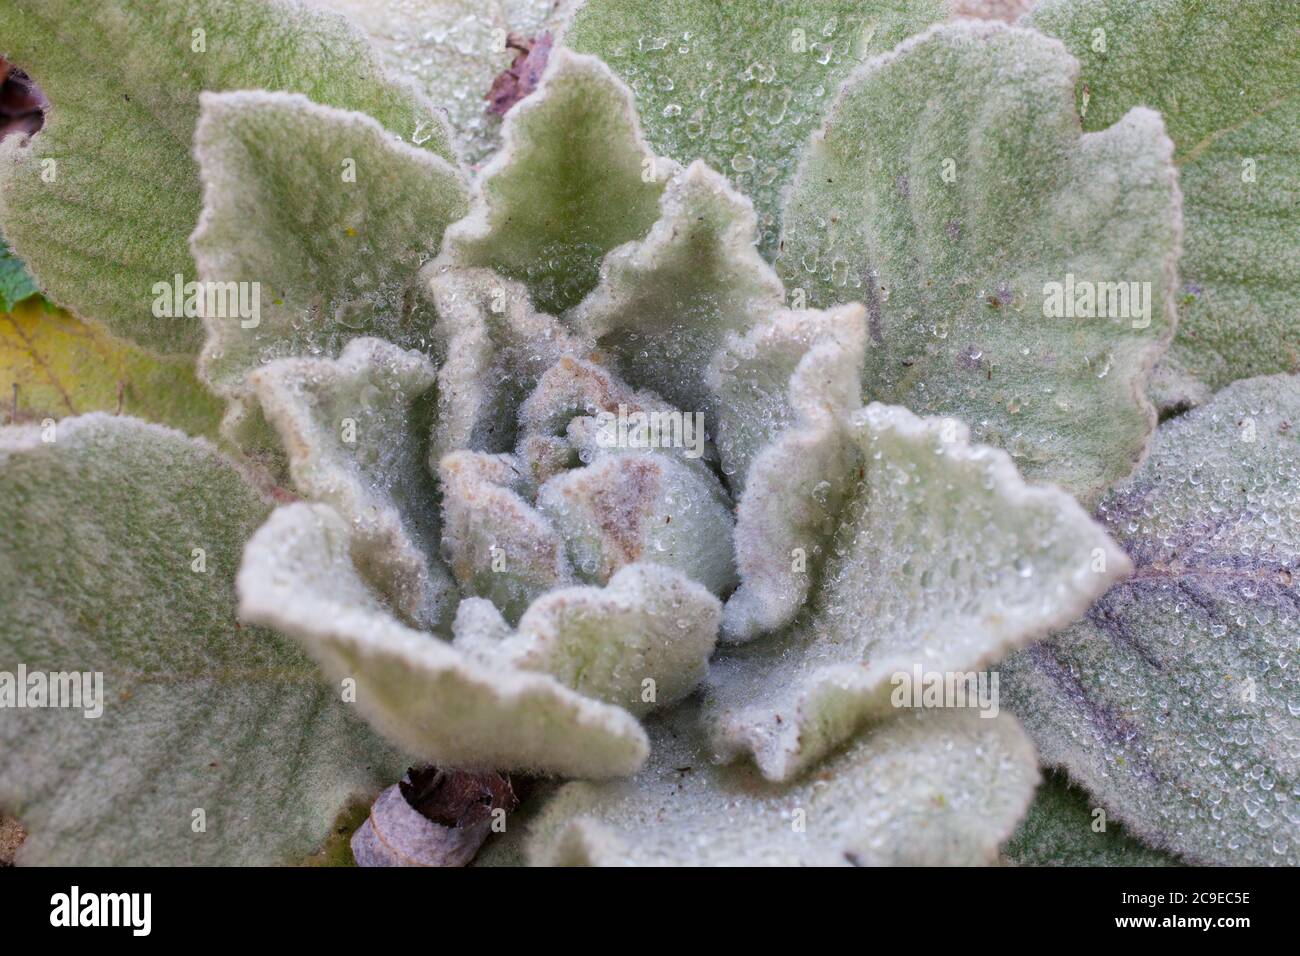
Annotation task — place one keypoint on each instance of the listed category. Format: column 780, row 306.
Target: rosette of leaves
column 419, row 542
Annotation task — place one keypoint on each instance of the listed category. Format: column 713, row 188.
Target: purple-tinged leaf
column 1176, row 701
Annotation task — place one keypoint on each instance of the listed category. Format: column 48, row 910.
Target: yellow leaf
column 60, row 366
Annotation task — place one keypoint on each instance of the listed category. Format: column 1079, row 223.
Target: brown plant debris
column 523, row 75
column 22, row 104
column 457, row 798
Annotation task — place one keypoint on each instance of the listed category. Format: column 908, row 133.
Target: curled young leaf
column 752, row 383
column 665, row 302
column 356, row 430
column 642, row 641
column 496, row 349
column 925, row 788
column 797, row 376
column 437, row 702
column 322, row 220
column 498, row 545
column 640, row 506
column 943, row 559
column 573, row 179
column 1174, row 701
column 581, row 411
column 479, row 627
column 558, row 421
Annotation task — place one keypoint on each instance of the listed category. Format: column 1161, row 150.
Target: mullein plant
column 929, row 283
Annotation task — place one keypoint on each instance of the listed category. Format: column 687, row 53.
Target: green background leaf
column 1226, row 78
column 97, row 532
column 724, row 82
column 453, row 49
column 64, row 367
column 1175, row 702
column 15, row 282
column 123, row 79
column 948, row 188
column 1058, row 831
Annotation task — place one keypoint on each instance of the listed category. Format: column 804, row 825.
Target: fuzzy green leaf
column 573, row 179
column 1174, row 702
column 615, row 503
column 642, row 641
column 642, row 506
column 102, row 200
column 942, row 558
column 498, row 545
column 741, row 84
column 785, row 391
column 99, row 572
column 329, row 214
column 356, row 430
column 665, row 302
column 438, row 702
column 756, row 393
column 926, row 788
column 1226, row 78
column 496, row 348
column 949, row 186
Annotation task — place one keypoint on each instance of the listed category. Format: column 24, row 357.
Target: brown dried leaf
column 433, row 817
column 457, row 798
column 523, row 75
column 22, row 104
